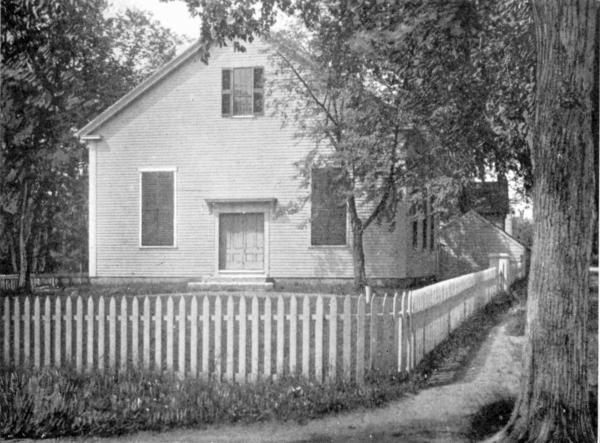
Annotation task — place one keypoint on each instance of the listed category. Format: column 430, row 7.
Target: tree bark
column 24, row 233
column 553, row 400
column 358, row 253
column 13, row 251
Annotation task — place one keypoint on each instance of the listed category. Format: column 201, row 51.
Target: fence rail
column 241, row 337
column 10, row 282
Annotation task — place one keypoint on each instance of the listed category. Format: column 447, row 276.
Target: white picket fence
column 241, row 337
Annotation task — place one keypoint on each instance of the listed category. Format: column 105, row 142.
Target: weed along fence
column 241, row 337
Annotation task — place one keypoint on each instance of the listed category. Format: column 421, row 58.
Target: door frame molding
column 239, row 207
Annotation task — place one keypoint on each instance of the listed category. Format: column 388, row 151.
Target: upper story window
column 328, row 209
column 157, row 208
column 242, row 91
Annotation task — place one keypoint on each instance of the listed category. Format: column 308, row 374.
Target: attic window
column 242, row 91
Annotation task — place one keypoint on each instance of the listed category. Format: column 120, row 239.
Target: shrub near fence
column 241, row 337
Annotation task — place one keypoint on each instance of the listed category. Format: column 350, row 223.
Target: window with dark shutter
column 158, row 208
column 242, row 91
column 328, row 208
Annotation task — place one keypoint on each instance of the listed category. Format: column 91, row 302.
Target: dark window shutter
column 328, row 224
column 226, row 92
column 258, row 102
column 158, row 209
column 258, row 78
column 415, row 234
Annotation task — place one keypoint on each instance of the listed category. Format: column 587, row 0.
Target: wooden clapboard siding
column 467, row 242
column 178, row 123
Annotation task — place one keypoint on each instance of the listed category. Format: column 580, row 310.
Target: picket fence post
column 90, row 335
column 254, row 358
column 360, row 339
column 27, row 331
column 146, row 333
column 205, row 335
column 218, row 322
column 268, row 317
column 242, row 340
column 194, row 337
column 347, row 338
column 293, row 334
column 306, row 337
column 101, row 332
column 319, row 339
column 169, row 331
column 37, row 342
column 332, row 337
column 57, row 332
column 229, row 341
column 181, row 339
column 279, row 357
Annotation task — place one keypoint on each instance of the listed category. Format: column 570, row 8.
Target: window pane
column 157, row 209
column 328, row 224
column 242, row 91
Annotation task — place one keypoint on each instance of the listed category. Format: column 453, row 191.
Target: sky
column 173, row 15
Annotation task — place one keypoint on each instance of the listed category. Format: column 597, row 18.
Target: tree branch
column 308, row 88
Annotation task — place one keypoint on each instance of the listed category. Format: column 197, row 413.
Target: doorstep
column 228, row 282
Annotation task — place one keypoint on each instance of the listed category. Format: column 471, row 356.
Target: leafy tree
column 553, row 401
column 63, row 62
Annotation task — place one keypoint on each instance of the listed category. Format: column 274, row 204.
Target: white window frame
column 231, row 89
column 172, row 169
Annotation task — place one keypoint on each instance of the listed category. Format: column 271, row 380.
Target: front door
column 241, row 242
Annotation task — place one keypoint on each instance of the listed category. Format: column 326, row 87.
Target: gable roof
column 473, row 213
column 139, row 90
column 485, row 198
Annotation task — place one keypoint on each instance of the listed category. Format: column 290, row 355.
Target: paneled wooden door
column 241, row 242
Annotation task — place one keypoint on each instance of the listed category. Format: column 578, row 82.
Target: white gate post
column 501, row 261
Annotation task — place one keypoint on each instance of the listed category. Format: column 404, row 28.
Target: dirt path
column 438, row 413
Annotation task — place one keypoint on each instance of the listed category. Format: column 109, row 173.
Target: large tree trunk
column 553, row 402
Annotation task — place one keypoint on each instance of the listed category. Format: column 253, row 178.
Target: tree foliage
column 63, row 62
